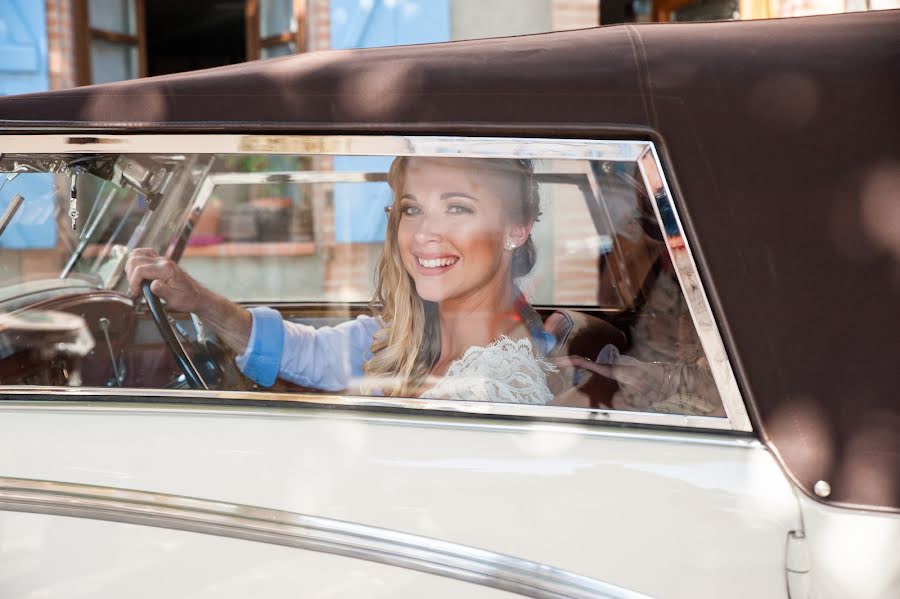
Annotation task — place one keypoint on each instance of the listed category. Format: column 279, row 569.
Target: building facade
column 55, row 44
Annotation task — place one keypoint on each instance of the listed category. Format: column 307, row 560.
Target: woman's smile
column 431, row 264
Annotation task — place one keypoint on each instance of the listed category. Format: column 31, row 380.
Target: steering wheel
column 167, row 331
column 205, row 364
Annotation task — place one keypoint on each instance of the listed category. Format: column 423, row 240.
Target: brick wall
column 61, row 44
column 319, row 26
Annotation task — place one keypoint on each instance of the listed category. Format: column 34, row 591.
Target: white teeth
column 437, row 262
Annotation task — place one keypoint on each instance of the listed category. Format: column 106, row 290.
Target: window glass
column 117, row 215
column 113, row 15
column 29, row 226
column 532, row 281
column 35, row 227
column 276, row 16
column 256, row 241
column 112, row 61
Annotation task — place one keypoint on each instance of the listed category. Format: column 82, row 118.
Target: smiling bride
column 448, row 320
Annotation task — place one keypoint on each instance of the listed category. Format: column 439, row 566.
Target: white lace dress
column 504, row 371
column 333, row 359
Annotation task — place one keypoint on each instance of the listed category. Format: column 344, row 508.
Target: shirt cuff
column 262, row 358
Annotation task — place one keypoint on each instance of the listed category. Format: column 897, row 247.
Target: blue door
column 359, row 215
column 23, row 47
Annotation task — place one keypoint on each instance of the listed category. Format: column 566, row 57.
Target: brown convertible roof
column 781, row 138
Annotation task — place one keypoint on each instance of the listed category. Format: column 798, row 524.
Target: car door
column 154, row 490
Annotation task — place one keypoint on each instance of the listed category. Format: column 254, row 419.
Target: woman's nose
column 430, row 228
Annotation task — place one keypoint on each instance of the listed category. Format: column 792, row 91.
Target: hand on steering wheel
column 167, row 331
column 204, row 364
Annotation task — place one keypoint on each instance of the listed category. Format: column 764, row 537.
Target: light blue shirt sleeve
column 327, row 358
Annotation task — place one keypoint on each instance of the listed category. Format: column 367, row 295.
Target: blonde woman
column 449, row 323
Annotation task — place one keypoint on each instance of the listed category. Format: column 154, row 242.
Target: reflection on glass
column 34, row 227
column 276, row 16
column 536, row 282
column 112, row 61
column 597, row 246
column 113, row 15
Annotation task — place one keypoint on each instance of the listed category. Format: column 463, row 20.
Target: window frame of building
column 85, row 35
column 256, row 43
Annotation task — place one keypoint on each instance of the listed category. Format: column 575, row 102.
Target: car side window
column 369, row 260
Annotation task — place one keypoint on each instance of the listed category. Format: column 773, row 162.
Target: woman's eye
column 410, row 211
column 459, row 209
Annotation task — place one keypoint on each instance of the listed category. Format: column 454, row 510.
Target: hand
column 641, row 384
column 168, row 281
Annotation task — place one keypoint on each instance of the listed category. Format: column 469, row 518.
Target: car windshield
column 118, row 203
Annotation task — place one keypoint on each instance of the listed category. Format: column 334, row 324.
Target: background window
column 112, row 40
column 275, row 28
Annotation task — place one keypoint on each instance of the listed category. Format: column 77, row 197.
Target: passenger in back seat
column 664, row 368
column 661, row 367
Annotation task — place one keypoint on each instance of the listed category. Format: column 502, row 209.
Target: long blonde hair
column 409, row 343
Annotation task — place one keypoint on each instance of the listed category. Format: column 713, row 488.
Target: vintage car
column 716, row 280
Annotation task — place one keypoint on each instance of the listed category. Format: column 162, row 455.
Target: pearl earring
column 510, row 245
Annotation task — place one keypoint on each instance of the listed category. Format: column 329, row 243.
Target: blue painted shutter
column 34, row 225
column 372, row 23
column 359, row 208
column 23, row 69
column 23, row 47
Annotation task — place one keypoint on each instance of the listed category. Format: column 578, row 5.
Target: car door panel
column 52, row 556
column 840, row 544
column 666, row 513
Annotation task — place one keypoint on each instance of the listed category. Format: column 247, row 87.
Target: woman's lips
column 435, row 265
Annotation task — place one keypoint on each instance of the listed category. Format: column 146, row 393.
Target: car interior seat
column 581, row 334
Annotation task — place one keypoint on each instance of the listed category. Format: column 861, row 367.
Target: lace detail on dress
column 504, row 371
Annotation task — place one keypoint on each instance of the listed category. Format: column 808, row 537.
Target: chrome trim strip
column 692, row 288
column 642, row 152
column 440, row 406
column 291, row 177
column 417, row 419
column 365, row 145
column 312, row 533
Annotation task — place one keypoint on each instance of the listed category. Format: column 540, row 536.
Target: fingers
column 139, row 256
column 143, row 252
column 158, row 287
column 145, row 264
column 574, row 361
column 136, row 257
column 647, row 379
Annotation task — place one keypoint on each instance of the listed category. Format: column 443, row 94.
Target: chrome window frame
column 643, row 153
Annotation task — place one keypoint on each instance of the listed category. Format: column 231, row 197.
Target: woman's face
column 454, row 226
